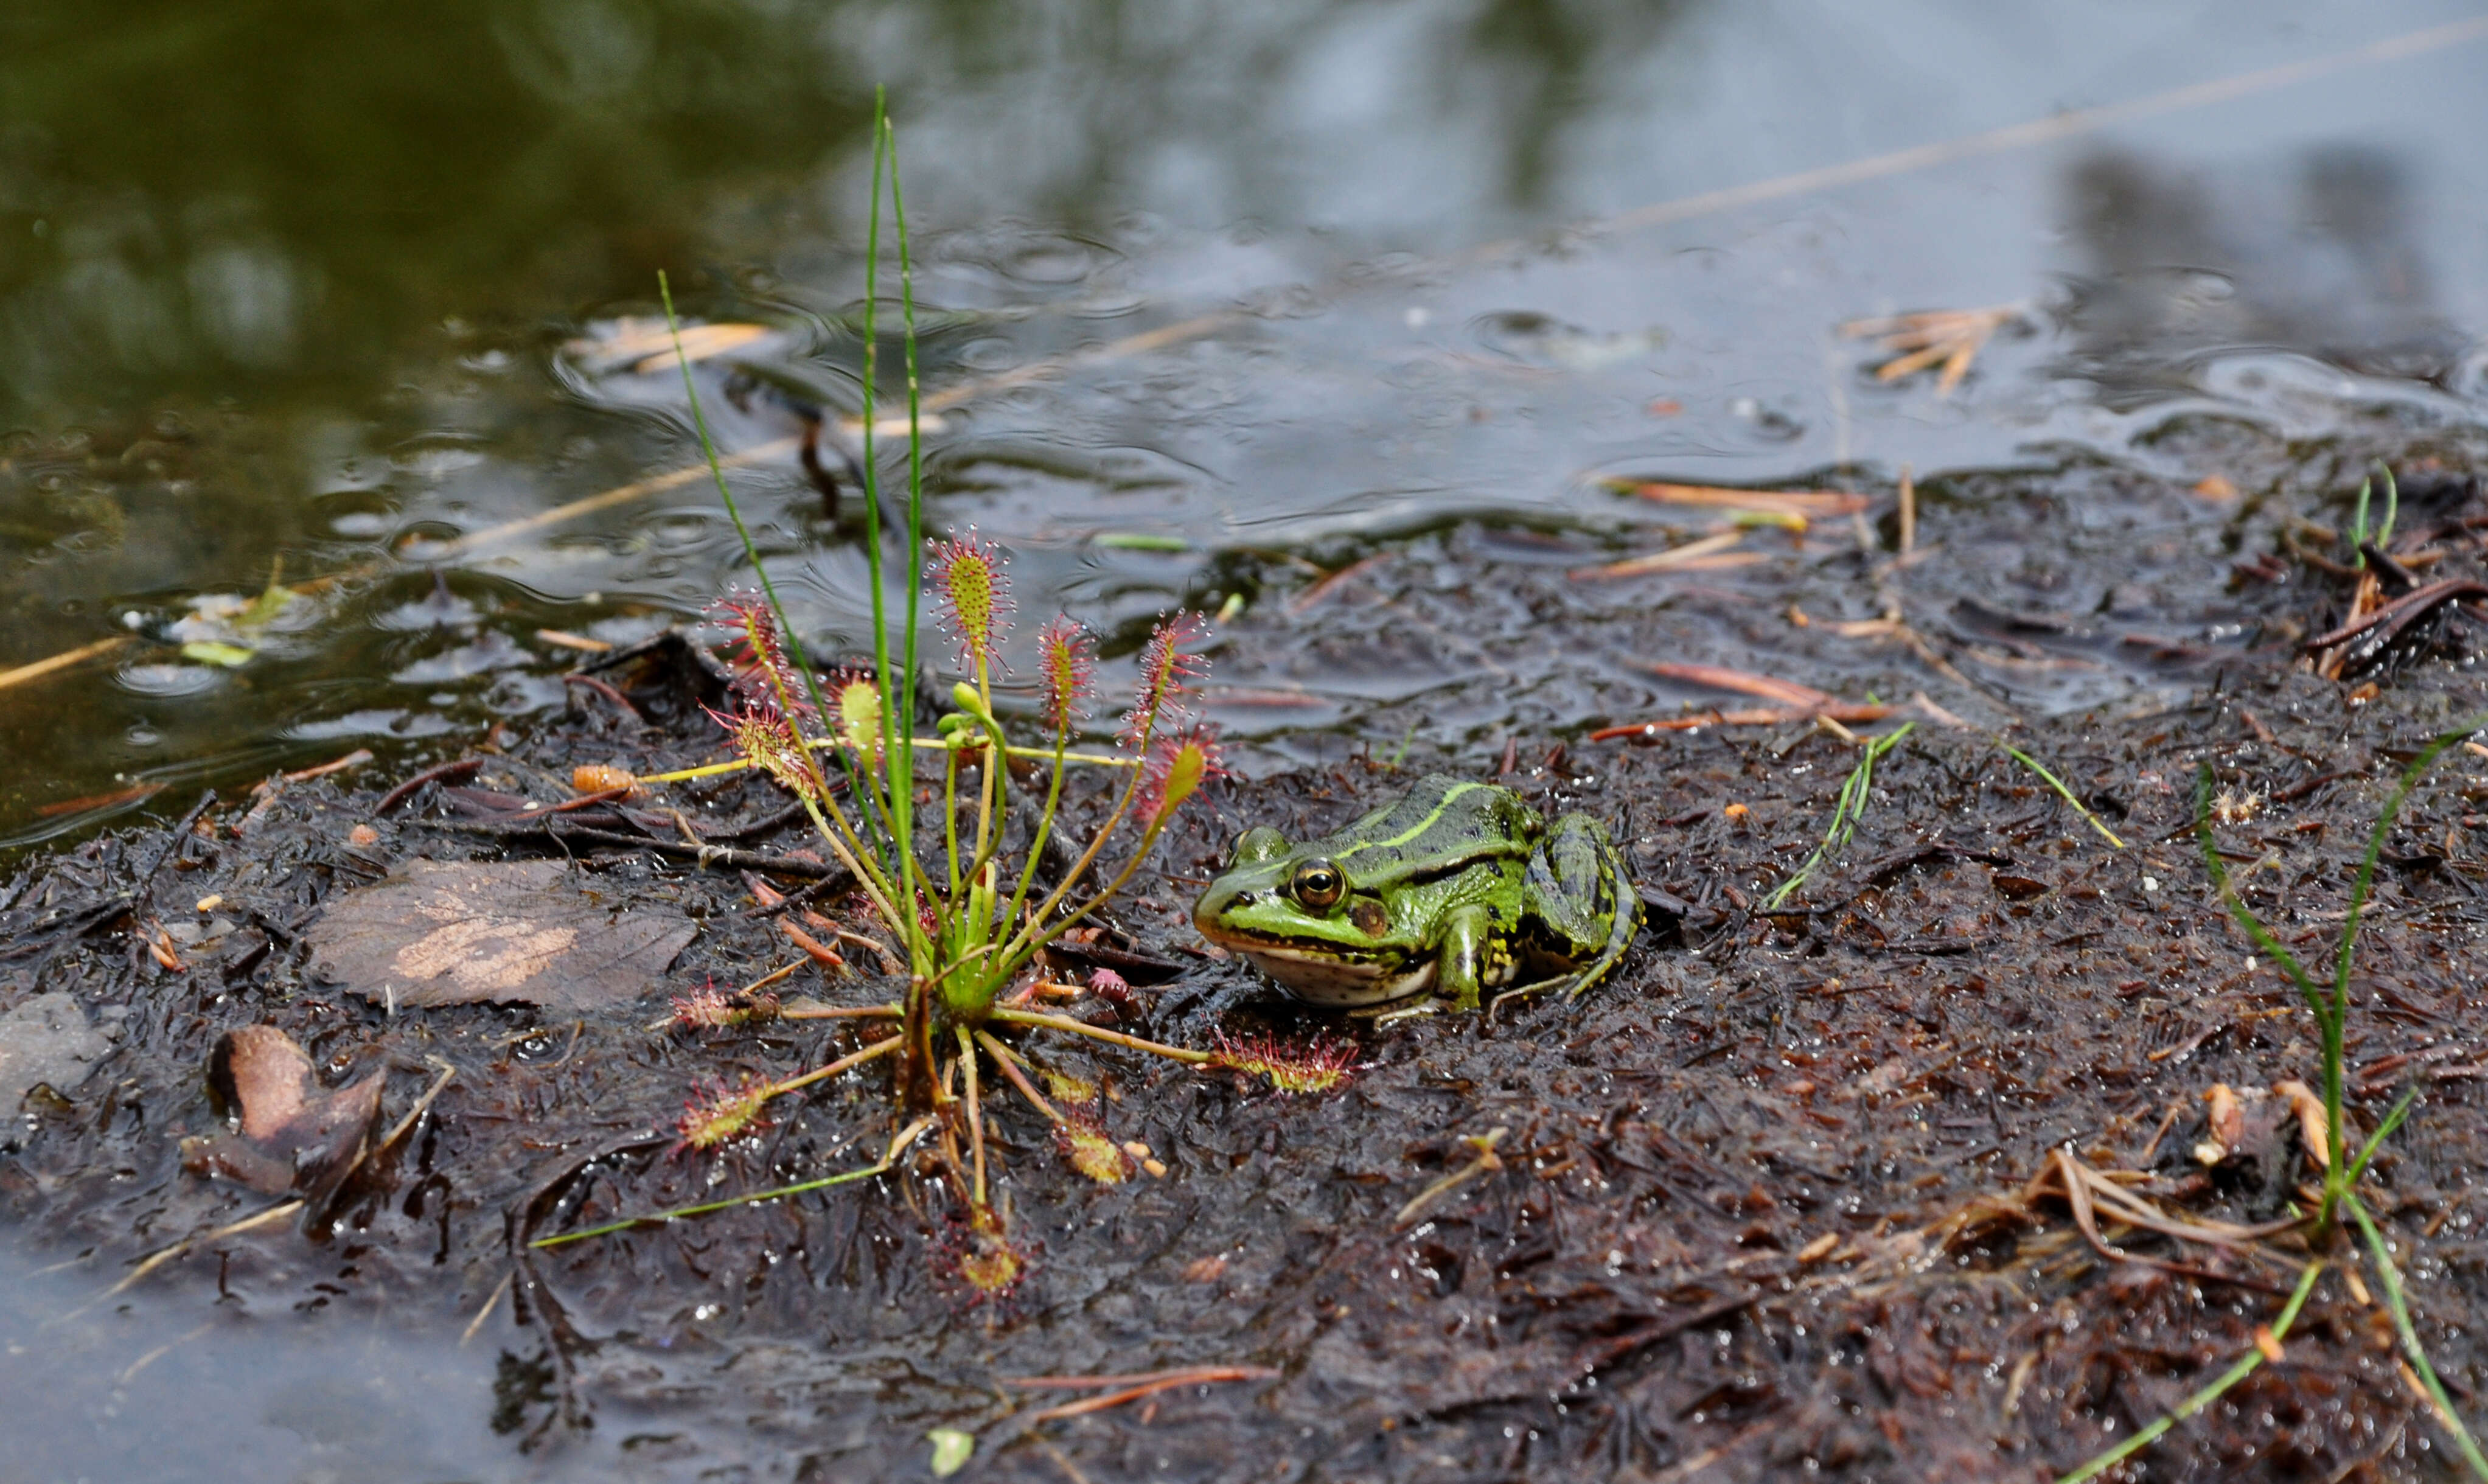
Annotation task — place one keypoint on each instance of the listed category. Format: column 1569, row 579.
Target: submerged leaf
column 264, row 610
column 232, row 657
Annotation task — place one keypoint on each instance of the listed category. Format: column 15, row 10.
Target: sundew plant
column 923, row 825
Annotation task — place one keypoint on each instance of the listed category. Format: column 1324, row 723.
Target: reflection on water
column 283, row 295
column 2324, row 254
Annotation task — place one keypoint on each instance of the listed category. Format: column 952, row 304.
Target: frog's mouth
column 1338, row 984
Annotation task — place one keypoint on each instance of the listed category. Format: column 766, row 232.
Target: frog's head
column 1301, row 916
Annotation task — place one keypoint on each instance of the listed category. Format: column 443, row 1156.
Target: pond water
column 1219, row 302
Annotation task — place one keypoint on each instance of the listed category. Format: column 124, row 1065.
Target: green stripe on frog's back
column 1451, row 790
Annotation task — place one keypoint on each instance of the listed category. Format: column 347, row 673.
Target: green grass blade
column 2062, row 792
column 1844, row 812
column 2384, row 1131
column 2411, row 1347
column 2392, row 506
column 898, row 762
column 2401, row 794
column 2244, row 1367
column 2336, row 1184
column 2358, row 525
column 2253, row 926
column 915, row 425
column 678, row 1212
column 734, row 512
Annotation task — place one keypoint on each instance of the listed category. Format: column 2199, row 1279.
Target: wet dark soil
column 1758, row 1209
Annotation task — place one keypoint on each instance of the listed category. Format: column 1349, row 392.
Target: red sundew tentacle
column 769, row 742
column 763, row 675
column 716, row 1114
column 1168, row 665
column 1309, row 1067
column 1067, row 667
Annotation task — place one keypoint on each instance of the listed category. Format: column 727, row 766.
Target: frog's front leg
column 1473, row 957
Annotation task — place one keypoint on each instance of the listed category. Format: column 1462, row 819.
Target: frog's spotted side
column 1456, row 889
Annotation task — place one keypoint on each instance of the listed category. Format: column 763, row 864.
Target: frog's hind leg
column 1584, row 900
column 1621, row 930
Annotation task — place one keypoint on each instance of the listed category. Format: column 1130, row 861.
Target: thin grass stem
column 846, row 1063
column 1100, row 1033
column 2245, row 1366
column 853, row 855
column 2411, row 1346
column 906, row 772
column 2062, row 792
column 1006, row 1060
column 2376, row 1140
column 975, row 1112
column 1044, row 824
column 932, row 744
column 1035, row 931
column 1131, row 867
column 897, row 1147
column 898, row 762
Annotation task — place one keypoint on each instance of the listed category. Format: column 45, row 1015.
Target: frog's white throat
column 1340, row 984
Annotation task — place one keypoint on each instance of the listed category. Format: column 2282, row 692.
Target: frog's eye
column 1317, row 884
column 1257, row 845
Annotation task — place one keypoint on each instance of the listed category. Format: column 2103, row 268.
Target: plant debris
column 289, row 1132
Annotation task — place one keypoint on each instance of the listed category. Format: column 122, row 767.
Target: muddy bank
column 1754, row 1209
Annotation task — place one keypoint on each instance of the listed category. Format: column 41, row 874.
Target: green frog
column 1457, row 889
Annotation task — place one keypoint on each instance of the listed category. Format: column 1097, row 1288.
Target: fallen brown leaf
column 2225, row 1126
column 291, row 1133
column 440, row 932
column 2314, row 1126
